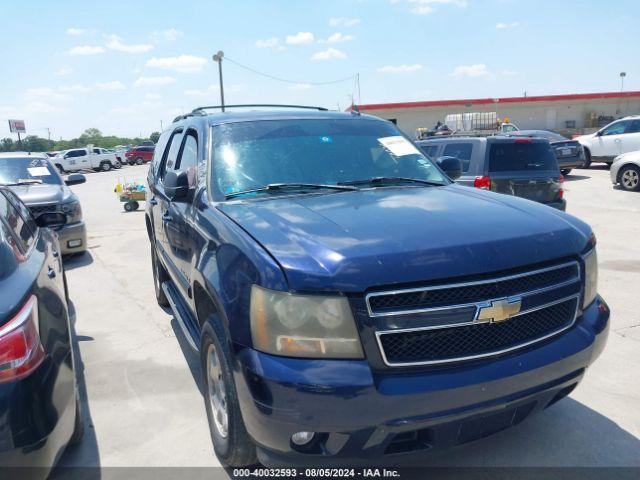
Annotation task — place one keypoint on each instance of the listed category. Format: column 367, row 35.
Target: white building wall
column 526, row 115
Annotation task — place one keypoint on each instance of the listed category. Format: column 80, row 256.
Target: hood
column 628, row 157
column 351, row 241
column 43, row 194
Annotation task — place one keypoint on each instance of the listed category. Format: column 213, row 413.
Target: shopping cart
column 131, row 194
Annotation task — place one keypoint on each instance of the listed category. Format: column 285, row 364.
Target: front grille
column 463, row 294
column 475, row 340
column 40, row 209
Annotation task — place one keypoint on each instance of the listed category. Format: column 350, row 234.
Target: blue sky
column 125, row 66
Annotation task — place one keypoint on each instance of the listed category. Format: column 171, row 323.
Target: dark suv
column 521, row 166
column 348, row 301
column 39, row 409
column 139, row 155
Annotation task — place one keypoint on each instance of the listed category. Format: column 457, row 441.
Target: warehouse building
column 568, row 114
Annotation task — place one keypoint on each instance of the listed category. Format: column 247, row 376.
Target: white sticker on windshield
column 39, row 171
column 398, row 146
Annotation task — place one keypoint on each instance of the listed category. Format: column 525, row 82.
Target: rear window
column 461, row 151
column 505, row 157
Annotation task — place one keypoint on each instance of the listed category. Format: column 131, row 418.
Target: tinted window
column 634, row 127
column 6, row 234
column 616, row 128
column 36, row 169
column 459, row 150
column 157, row 154
column 429, row 150
column 77, row 153
column 171, row 154
column 20, row 221
column 250, row 155
column 535, row 156
column 96, row 150
column 189, row 159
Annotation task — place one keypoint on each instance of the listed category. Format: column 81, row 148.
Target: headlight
column 303, row 325
column 73, row 211
column 590, row 277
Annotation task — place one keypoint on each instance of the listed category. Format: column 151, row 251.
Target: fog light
column 74, row 243
column 302, row 438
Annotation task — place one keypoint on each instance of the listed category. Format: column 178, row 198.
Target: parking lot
column 141, row 383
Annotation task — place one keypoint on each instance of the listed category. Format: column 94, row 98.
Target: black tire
column 135, row 205
column 159, row 276
column 566, row 171
column 105, row 166
column 60, row 169
column 629, row 178
column 139, row 161
column 118, row 165
column 587, row 158
column 128, row 207
column 78, row 425
column 236, row 448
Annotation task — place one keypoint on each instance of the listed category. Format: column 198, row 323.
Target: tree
column 154, row 137
column 7, row 145
column 91, row 133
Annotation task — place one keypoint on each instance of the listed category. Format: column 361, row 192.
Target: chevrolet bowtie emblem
column 499, row 310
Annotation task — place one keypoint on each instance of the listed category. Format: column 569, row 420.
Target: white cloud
column 114, row 42
column 344, row 22
column 473, row 71
column 337, row 38
column 153, row 81
column 300, row 38
column 46, row 94
column 111, row 86
column 329, row 54
column 505, row 26
column 41, row 107
column 400, row 68
column 77, row 88
column 170, row 34
column 183, row 63
column 272, row 42
column 300, row 87
column 213, row 89
column 86, row 50
column 61, row 72
column 425, row 7
column 76, row 31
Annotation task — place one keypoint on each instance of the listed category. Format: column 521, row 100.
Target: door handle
column 153, row 201
column 166, row 217
column 51, row 273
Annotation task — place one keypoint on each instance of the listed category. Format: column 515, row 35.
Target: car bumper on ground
column 72, row 238
column 362, row 416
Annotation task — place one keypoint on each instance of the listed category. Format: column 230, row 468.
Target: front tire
column 566, row 171
column 587, row 158
column 106, row 166
column 60, row 169
column 630, row 178
column 231, row 441
column 159, row 277
column 139, row 161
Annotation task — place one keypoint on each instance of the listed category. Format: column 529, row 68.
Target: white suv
column 621, row 136
column 86, row 158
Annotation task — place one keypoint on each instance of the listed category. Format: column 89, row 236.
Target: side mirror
column 51, row 219
column 176, row 184
column 452, row 166
column 75, row 179
column 66, row 155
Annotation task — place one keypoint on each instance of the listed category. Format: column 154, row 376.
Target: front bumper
column 613, row 172
column 72, row 238
column 364, row 416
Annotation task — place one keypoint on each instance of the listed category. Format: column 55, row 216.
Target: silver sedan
column 625, row 171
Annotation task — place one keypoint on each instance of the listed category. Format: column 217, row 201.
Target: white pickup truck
column 86, row 158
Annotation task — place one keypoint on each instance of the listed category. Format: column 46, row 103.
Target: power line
column 280, row 79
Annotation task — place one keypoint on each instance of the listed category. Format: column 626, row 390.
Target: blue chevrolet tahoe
column 351, row 304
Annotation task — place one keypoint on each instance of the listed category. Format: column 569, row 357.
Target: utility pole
column 161, row 127
column 218, row 59
column 622, row 75
column 358, row 82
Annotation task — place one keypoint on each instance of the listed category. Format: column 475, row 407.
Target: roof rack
column 201, row 110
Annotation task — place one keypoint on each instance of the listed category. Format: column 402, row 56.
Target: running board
column 181, row 315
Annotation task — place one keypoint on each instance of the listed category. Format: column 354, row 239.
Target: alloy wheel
column 217, row 392
column 630, row 179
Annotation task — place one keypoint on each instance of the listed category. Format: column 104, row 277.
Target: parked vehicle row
column 100, row 159
column 349, row 302
column 619, row 137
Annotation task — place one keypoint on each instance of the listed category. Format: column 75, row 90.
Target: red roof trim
column 486, row 101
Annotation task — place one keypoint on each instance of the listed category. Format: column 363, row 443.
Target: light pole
column 218, row 58
column 622, row 75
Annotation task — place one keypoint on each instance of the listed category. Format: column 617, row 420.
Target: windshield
column 506, row 157
column 250, row 155
column 24, row 169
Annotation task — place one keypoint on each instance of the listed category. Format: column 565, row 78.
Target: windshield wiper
column 391, row 181
column 23, row 182
column 275, row 187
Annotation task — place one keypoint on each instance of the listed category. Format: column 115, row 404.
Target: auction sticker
column 398, row 146
column 39, row 171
